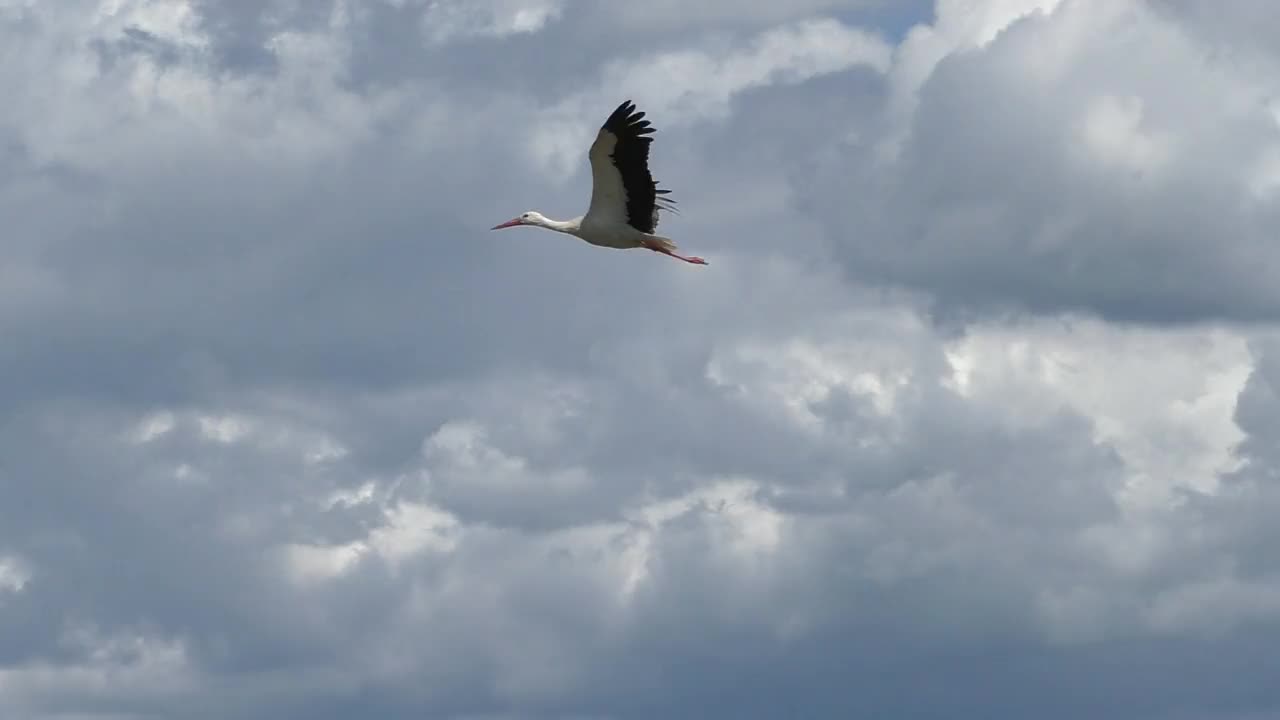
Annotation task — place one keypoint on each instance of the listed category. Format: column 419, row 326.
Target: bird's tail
column 661, row 243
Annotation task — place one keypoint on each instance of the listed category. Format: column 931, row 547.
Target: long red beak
column 507, row 224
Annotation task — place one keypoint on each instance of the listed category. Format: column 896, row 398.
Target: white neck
column 565, row 226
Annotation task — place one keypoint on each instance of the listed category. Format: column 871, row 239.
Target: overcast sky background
column 974, row 413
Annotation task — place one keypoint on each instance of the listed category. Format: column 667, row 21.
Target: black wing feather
column 631, row 158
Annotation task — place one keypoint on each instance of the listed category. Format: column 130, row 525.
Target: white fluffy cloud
column 1079, row 158
column 446, row 19
column 287, row 433
column 693, row 84
column 671, row 15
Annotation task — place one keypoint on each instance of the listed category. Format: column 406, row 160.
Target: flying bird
column 625, row 199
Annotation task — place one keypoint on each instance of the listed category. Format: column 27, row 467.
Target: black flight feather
column 631, row 158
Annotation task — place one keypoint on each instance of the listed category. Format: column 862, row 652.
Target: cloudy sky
column 974, row 413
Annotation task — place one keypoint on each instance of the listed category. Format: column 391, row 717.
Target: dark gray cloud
column 286, row 432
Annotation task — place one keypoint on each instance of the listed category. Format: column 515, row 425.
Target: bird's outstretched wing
column 622, row 188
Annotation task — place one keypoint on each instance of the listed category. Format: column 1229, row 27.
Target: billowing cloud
column 445, row 19
column 1064, row 155
column 698, row 84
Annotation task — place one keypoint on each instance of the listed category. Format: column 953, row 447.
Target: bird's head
column 532, row 217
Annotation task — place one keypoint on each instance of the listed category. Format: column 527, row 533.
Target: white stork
column 625, row 199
